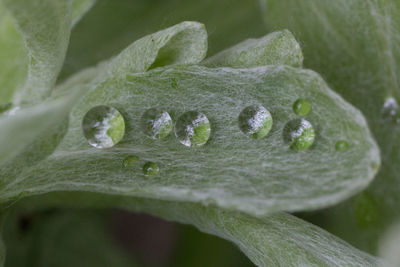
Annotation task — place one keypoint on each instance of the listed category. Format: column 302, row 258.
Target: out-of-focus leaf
column 13, row 57
column 102, row 33
column 61, row 239
column 79, row 9
column 33, row 39
column 45, row 28
column 355, row 46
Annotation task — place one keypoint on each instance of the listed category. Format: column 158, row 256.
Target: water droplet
column 390, row 110
column 302, row 107
column 342, row 145
column 299, row 134
column 174, row 83
column 150, row 168
column 193, row 129
column 130, row 161
column 157, row 123
column 5, row 107
column 255, row 121
column 103, row 126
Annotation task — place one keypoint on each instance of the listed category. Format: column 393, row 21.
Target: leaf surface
column 234, row 171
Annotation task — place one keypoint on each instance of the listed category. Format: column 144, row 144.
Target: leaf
column 61, row 239
column 112, row 25
column 274, row 240
column 278, row 48
column 354, row 45
column 231, row 170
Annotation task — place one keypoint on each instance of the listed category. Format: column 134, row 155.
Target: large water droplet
column 150, row 168
column 342, row 145
column 302, row 107
column 193, row 129
column 157, row 123
column 130, row 161
column 390, row 110
column 255, row 121
column 299, row 134
column 103, row 126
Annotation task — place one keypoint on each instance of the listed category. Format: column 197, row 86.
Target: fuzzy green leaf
column 231, row 170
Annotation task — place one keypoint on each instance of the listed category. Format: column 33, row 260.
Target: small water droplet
column 157, row 123
column 130, row 161
column 342, row 145
column 255, row 121
column 302, row 107
column 174, row 83
column 103, row 126
column 193, row 129
column 151, row 169
column 5, row 107
column 390, row 110
column 299, row 134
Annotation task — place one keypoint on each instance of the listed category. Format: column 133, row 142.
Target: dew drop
column 390, row 110
column 150, row 169
column 157, row 123
column 302, row 107
column 255, row 121
column 342, row 145
column 130, row 161
column 193, row 129
column 299, row 134
column 103, row 126
column 174, row 83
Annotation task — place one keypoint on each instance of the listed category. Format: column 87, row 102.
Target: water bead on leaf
column 157, row 123
column 193, row 129
column 150, row 169
column 390, row 110
column 299, row 134
column 302, row 107
column 130, row 161
column 342, row 145
column 103, row 126
column 255, row 121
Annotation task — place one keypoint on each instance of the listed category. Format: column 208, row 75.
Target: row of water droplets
column 104, row 126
